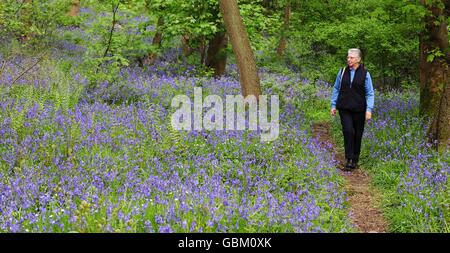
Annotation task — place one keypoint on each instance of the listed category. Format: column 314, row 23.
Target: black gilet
column 353, row 98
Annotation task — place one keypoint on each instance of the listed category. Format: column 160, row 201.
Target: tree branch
column 115, row 8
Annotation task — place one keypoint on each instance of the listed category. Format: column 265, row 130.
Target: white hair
column 355, row 51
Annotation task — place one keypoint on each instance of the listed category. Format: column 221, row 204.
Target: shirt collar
column 352, row 69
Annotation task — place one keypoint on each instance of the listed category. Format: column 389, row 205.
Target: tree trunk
column 217, row 55
column 432, row 73
column 285, row 29
column 187, row 50
column 202, row 49
column 439, row 131
column 157, row 39
column 434, row 81
column 75, row 9
column 246, row 64
column 115, row 8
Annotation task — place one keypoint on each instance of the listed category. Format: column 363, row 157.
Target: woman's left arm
column 370, row 96
column 370, row 93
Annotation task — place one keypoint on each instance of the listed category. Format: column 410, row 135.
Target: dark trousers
column 352, row 129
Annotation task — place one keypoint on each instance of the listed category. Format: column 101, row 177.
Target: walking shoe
column 348, row 165
column 354, row 164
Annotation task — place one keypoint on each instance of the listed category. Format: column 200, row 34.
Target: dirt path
column 361, row 196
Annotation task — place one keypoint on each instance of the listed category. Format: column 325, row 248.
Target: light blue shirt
column 370, row 94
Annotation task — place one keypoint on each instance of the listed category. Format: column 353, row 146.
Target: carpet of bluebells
column 74, row 158
column 81, row 158
column 420, row 175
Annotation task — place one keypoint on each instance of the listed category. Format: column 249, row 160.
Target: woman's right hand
column 333, row 112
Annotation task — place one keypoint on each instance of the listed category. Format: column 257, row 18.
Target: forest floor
column 362, row 197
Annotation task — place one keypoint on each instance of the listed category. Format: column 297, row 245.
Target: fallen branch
column 28, row 69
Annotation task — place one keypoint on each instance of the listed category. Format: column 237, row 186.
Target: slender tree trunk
column 285, row 29
column 432, row 74
column 202, row 49
column 75, row 9
column 248, row 72
column 217, row 56
column 187, row 50
column 115, row 8
column 157, row 39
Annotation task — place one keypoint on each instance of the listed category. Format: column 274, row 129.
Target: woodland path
column 362, row 197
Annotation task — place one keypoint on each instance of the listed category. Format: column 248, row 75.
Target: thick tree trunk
column 432, row 74
column 217, row 56
column 439, row 130
column 285, row 29
column 248, row 72
column 75, row 9
column 157, row 39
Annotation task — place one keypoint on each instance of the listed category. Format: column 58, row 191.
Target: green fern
column 176, row 140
